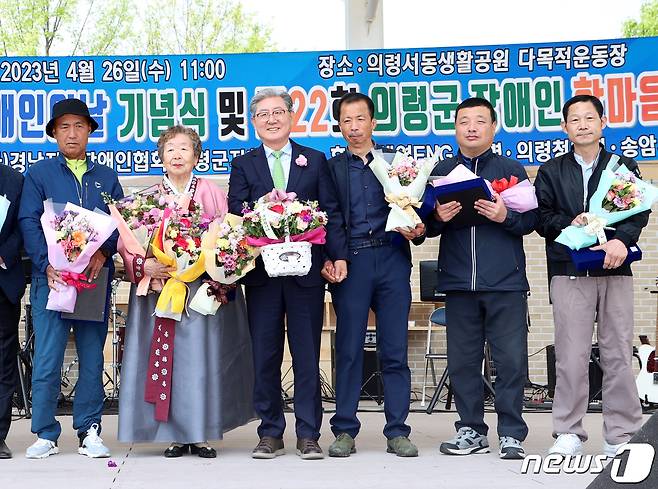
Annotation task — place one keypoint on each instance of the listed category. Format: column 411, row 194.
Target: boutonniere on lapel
column 301, row 161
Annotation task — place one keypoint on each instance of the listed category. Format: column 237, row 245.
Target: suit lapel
column 295, row 170
column 262, row 168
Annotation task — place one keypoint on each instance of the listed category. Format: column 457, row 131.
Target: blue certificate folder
column 466, row 193
column 586, row 259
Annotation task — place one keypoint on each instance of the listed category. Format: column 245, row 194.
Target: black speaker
column 372, row 387
column 428, row 280
column 595, row 372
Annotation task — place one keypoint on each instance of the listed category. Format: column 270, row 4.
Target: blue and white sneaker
column 41, row 448
column 466, row 442
column 92, row 445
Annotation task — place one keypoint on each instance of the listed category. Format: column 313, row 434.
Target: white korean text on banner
column 415, row 92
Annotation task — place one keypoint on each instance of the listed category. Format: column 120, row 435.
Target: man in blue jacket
column 368, row 268
column 482, row 271
column 69, row 177
column 12, row 287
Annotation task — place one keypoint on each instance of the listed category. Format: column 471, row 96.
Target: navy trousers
column 377, row 279
column 501, row 319
column 268, row 306
column 51, row 334
column 9, row 317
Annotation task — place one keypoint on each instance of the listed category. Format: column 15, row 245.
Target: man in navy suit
column 379, row 266
column 274, row 303
column 12, row 286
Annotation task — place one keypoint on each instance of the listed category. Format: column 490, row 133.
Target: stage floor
column 142, row 466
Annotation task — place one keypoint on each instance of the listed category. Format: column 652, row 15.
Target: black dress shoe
column 175, row 451
column 4, row 450
column 203, row 452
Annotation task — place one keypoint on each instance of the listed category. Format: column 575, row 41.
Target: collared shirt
column 286, row 158
column 78, row 167
column 587, row 169
column 368, row 206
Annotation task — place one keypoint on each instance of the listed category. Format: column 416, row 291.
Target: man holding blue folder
column 482, row 272
column 564, row 186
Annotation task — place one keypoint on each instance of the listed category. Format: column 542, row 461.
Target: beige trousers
column 577, row 303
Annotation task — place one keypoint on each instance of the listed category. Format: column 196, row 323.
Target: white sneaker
column 611, row 450
column 567, row 444
column 92, row 445
column 41, row 448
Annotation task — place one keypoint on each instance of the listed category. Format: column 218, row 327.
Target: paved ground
column 142, row 466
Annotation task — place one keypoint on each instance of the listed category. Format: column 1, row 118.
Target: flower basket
column 287, row 259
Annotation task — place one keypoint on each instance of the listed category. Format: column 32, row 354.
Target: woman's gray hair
column 267, row 93
column 174, row 131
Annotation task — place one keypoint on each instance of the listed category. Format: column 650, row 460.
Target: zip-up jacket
column 559, row 187
column 52, row 179
column 488, row 257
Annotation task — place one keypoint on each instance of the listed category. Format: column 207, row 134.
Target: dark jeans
column 51, row 334
column 377, row 279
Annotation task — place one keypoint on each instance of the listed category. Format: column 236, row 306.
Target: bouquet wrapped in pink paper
column 518, row 196
column 137, row 217
column 228, row 258
column 73, row 234
column 285, row 229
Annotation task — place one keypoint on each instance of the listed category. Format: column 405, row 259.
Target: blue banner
column 415, row 92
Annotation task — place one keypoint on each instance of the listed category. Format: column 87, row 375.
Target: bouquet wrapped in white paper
column 228, row 258
column 404, row 181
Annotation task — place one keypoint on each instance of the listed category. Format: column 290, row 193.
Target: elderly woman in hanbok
column 212, row 374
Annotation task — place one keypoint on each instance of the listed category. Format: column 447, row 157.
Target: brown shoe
column 309, row 449
column 268, row 447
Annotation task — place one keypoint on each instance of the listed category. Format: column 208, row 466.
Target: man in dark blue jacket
column 69, row 177
column 369, row 268
column 12, row 287
column 482, row 271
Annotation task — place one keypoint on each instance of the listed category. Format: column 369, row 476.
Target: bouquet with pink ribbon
column 284, row 228
column 73, row 234
column 279, row 216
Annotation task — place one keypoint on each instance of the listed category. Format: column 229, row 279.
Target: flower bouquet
column 285, row 229
column 177, row 244
column 73, row 234
column 228, row 257
column 404, row 181
column 137, row 216
column 517, row 196
column 619, row 195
